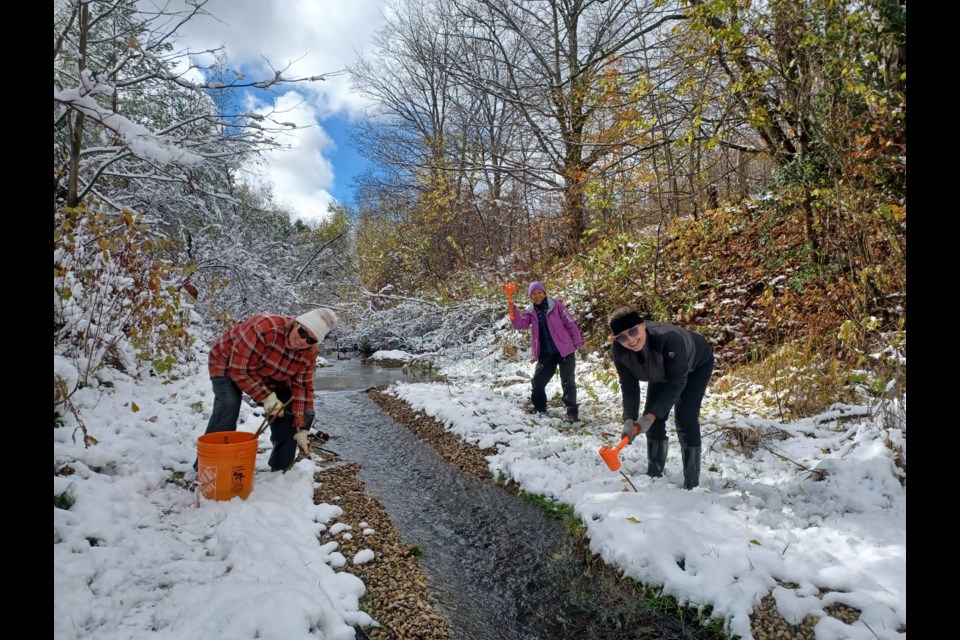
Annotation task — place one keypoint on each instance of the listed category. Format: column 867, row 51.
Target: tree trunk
column 76, row 139
column 575, row 210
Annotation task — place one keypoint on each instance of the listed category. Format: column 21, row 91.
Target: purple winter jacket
column 563, row 328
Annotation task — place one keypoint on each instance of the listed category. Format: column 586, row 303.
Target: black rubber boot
column 691, row 466
column 656, row 457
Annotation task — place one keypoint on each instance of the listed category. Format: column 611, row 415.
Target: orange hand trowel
column 510, row 289
column 611, row 455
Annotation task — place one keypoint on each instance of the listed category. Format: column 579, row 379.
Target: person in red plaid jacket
column 271, row 358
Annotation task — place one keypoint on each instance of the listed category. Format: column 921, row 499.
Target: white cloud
column 300, row 174
column 313, row 37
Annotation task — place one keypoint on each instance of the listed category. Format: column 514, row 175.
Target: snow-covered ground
column 814, row 513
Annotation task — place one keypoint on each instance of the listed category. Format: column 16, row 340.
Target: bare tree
column 569, row 67
column 140, row 125
column 126, row 109
column 409, row 135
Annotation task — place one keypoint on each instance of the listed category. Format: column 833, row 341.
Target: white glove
column 300, row 437
column 272, row 406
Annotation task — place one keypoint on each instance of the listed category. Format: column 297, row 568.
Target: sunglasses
column 306, row 335
column 632, row 333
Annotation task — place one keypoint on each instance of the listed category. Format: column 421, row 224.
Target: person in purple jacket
column 554, row 339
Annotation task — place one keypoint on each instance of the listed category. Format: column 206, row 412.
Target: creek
column 498, row 567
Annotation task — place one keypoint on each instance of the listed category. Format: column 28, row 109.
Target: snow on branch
column 383, row 296
column 137, row 138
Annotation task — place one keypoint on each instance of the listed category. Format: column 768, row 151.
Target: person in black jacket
column 676, row 364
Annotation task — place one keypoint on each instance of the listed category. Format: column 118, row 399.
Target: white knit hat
column 319, row 322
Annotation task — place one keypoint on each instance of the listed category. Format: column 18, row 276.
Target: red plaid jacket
column 254, row 354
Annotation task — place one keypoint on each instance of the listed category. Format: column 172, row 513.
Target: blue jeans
column 226, row 412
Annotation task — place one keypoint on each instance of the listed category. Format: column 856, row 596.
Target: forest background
column 737, row 168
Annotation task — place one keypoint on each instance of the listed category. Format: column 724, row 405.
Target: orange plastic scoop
column 510, row 289
column 611, row 455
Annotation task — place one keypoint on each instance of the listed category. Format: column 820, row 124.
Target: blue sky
column 347, row 163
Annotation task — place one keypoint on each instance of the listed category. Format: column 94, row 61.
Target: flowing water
column 498, row 567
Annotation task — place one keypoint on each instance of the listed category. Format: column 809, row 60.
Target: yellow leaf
column 134, row 407
column 755, row 542
column 633, row 520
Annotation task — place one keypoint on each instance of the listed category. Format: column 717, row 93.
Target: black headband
column 623, row 323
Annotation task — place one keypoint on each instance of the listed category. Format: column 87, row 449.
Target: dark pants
column 687, row 407
column 226, row 412
column 546, row 367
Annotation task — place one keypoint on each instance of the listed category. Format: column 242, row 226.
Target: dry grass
column 509, row 350
column 792, row 382
column 745, row 440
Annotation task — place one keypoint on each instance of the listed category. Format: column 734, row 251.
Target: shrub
column 794, row 381
column 115, row 302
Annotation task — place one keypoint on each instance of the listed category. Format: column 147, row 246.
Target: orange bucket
column 225, row 464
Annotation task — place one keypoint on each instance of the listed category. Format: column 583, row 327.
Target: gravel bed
column 397, row 596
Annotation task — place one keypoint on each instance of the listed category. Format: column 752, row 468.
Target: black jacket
column 669, row 354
